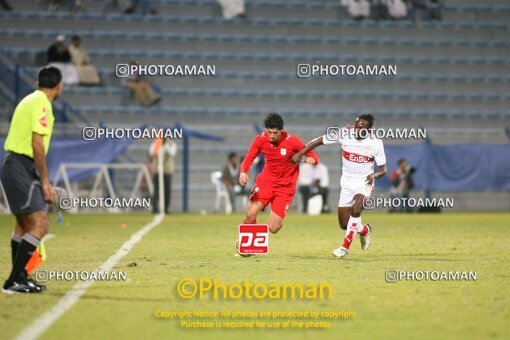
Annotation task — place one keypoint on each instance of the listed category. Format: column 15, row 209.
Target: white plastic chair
column 221, row 193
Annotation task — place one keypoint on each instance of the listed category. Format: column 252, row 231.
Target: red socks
column 363, row 230
column 354, row 226
column 349, row 235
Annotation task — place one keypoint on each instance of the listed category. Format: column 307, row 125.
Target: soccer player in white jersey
column 360, row 149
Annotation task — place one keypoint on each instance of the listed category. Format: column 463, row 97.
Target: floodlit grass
column 194, row 246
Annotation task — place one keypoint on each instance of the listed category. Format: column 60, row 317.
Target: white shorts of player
column 351, row 187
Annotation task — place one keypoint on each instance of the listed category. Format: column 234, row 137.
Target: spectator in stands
column 232, row 8
column 304, row 183
column 86, row 71
column 433, row 10
column 169, row 150
column 413, row 6
column 141, row 88
column 397, row 9
column 379, row 9
column 313, row 180
column 72, row 5
column 357, row 9
column 58, row 55
column 230, row 178
column 321, row 183
column 145, row 7
column 6, row 5
column 401, row 184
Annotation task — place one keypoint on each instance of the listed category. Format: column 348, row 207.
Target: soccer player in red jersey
column 276, row 184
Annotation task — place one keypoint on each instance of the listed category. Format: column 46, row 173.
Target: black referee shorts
column 22, row 184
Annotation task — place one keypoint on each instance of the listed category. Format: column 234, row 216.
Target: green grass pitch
column 202, row 247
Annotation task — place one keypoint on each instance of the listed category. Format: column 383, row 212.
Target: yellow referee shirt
column 33, row 114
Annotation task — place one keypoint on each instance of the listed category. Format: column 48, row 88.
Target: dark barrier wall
column 77, row 150
column 457, row 167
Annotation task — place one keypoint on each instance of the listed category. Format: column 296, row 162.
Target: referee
column 25, row 177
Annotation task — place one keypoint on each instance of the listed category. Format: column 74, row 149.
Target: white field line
column 41, row 324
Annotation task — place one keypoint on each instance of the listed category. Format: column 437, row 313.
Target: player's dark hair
column 232, row 155
column 49, row 77
column 75, row 37
column 400, row 161
column 368, row 117
column 273, row 121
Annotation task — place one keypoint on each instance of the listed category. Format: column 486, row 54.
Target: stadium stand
column 452, row 74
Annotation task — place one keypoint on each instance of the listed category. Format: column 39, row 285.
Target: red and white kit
column 358, row 158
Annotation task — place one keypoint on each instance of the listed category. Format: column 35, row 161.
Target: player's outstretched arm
column 248, row 160
column 243, row 178
column 378, row 174
column 380, row 160
column 296, row 158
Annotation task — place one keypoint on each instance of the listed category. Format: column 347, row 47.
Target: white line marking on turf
column 40, row 325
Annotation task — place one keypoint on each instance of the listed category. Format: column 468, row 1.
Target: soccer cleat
column 238, row 253
column 29, row 281
column 341, row 252
column 35, row 285
column 365, row 240
column 18, row 288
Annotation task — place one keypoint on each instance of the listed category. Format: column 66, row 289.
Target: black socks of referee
column 26, row 249
column 15, row 241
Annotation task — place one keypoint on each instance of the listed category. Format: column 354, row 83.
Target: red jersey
column 279, row 169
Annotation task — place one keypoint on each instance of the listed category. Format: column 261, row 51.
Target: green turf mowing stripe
column 40, row 325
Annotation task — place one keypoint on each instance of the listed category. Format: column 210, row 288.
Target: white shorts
column 352, row 187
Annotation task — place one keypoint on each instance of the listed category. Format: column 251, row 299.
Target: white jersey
column 358, row 156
